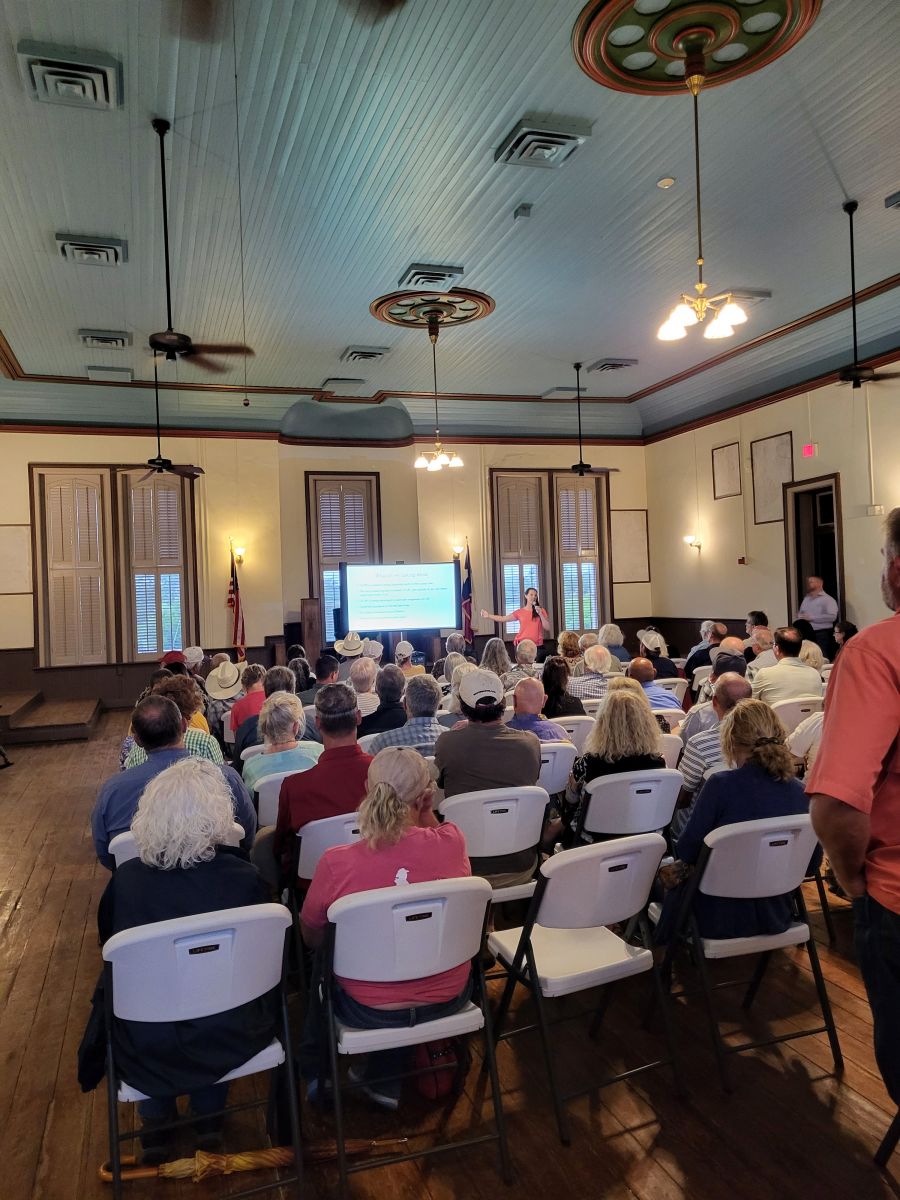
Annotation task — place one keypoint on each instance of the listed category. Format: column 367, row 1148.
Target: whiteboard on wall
column 15, row 560
column 629, row 543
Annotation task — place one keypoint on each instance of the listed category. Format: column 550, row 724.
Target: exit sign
column 810, row 449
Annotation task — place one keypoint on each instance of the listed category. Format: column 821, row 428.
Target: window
column 345, row 526
column 112, row 590
column 578, row 551
column 519, row 506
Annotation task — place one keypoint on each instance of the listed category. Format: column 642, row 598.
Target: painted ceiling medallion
column 639, row 45
column 420, row 310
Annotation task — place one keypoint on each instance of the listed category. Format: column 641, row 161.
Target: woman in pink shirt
column 533, row 620
column 401, row 842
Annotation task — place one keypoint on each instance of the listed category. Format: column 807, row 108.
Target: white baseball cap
column 405, row 649
column 480, row 685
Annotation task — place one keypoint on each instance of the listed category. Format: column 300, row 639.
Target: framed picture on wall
column 630, row 545
column 726, row 471
column 771, row 465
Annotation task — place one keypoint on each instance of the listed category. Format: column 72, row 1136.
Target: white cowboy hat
column 224, row 681
column 349, row 646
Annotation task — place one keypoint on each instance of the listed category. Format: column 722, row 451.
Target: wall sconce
column 691, row 539
column 457, row 551
column 239, row 552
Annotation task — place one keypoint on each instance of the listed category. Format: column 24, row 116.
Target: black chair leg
column 888, row 1143
column 338, row 1105
column 293, row 1105
column 600, row 1011
column 825, row 1004
column 759, row 972
column 665, row 1003
column 112, row 1100
column 825, row 906
column 559, row 1106
column 490, row 1055
column 703, row 972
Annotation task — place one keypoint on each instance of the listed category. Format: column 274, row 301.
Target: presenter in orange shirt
column 533, row 620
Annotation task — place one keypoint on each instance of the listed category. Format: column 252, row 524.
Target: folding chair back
column 631, row 802
column 192, row 967
column 123, row 846
column 268, row 789
column 365, row 742
column 577, row 729
column 508, row 713
column 670, row 747
column 592, row 707
column 672, row 716
column 318, row 836
column 396, row 933
column 252, row 751
column 752, row 860
column 701, row 674
column 557, row 759
column 498, row 820
column 792, row 712
column 677, row 686
column 600, row 884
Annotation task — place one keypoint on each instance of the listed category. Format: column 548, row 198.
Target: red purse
column 440, row 1067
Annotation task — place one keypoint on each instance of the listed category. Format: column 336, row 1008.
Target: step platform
column 28, row 717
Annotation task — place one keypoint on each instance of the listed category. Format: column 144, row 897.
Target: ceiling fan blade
column 188, row 471
column 237, row 348
column 886, row 375
column 148, row 475
column 205, row 363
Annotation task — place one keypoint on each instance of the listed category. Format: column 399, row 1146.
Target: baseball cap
column 193, row 655
column 730, row 662
column 173, row 656
column 478, row 687
column 651, row 639
column 405, row 649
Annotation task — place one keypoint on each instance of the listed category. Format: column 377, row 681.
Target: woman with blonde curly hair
column 401, row 842
column 569, row 649
column 811, row 654
column 185, row 867
column 761, row 782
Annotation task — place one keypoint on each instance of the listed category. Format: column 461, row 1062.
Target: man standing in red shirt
column 855, row 802
column 533, row 620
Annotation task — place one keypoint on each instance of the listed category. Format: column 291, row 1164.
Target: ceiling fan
column 172, row 344
column 855, row 373
column 581, row 468
column 160, row 465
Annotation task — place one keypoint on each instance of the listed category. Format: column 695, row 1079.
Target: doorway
column 814, row 538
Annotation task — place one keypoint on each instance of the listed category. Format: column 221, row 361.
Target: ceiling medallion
column 639, row 45
column 420, row 310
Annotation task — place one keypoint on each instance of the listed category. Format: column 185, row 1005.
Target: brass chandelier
column 694, row 309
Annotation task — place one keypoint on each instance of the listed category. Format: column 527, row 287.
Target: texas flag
column 466, row 600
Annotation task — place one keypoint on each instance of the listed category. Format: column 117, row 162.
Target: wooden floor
column 790, row 1129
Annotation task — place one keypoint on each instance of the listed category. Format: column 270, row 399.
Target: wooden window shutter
column 577, row 542
column 75, row 629
column 157, row 564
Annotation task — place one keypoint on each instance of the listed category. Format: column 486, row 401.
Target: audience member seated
column 528, row 702
column 157, row 677
column 612, row 637
column 252, row 678
column 349, row 649
column 653, row 647
column 223, row 687
column 811, row 654
column 731, row 651
column 181, row 825
column 302, row 673
column 790, row 678
column 804, row 628
column 485, row 753
column 705, row 627
column 159, row 730
column 761, row 652
column 193, row 660
column 591, row 684
column 555, row 681
column 282, row 724
column 702, row 715
column 401, row 842
column 187, row 696
column 703, row 750
column 277, row 679
column 422, row 728
column 760, row 784
column 454, row 713
column 843, row 632
column 494, row 657
column 295, row 650
column 451, row 662
column 390, row 713
column 335, row 785
column 644, row 671
column 403, row 659
column 803, row 742
column 756, row 620
column 363, row 673
column 584, row 644
column 455, row 644
column 568, row 649
column 526, row 653
column 327, row 669
column 625, row 737
column 703, row 657
column 373, row 649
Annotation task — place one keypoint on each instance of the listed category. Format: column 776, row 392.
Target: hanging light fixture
column 438, row 458
column 724, row 312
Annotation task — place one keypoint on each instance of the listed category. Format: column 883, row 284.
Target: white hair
column 597, row 659
column 278, row 716
column 458, row 672
column 706, row 627
column 526, row 652
column 610, row 635
column 183, row 814
column 362, row 674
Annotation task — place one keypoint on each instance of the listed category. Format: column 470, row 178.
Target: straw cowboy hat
column 224, row 681
column 349, row 646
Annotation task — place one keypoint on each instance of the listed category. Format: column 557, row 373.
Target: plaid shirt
column 196, row 742
column 418, row 731
column 590, row 686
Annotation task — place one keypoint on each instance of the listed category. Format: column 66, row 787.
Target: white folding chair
column 678, row 686
column 701, row 674
column 365, row 742
column 629, row 803
column 673, row 717
column 194, row 967
column 592, row 707
column 792, row 712
column 500, row 821
column 670, row 747
column 577, row 729
column 679, row 662
column 753, row 860
column 389, row 935
column 227, row 730
column 565, row 945
column 508, row 713
column 123, row 846
column 318, row 836
column 557, row 759
column 268, row 789
column 252, row 751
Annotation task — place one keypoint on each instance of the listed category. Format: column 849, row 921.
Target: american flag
column 466, row 600
column 238, row 636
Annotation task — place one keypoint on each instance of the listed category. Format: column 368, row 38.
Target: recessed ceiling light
column 667, row 181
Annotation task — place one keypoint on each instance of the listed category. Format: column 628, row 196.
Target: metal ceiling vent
column 430, row 276
column 110, row 374
column 612, row 364
column 559, row 393
column 90, row 251
column 105, row 339
column 342, row 385
column 66, row 75
column 364, row 353
column 543, row 142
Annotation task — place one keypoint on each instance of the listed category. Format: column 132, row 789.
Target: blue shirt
column 118, row 800
column 301, row 758
column 546, row 731
column 660, row 697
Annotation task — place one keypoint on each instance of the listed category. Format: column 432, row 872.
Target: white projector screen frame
column 394, row 597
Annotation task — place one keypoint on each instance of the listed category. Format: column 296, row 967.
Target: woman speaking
column 533, row 620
